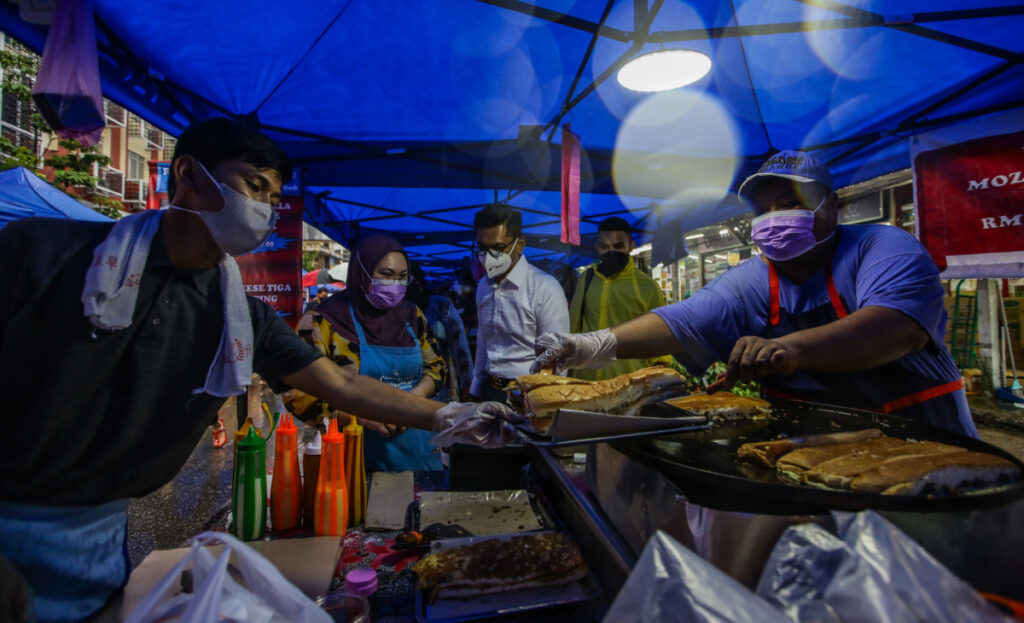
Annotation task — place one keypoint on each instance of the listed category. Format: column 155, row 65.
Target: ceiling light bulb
column 664, row 70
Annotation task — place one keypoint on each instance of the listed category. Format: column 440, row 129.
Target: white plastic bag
column 870, row 572
column 270, row 598
column 670, row 583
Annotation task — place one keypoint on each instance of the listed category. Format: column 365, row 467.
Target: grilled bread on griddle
column 768, row 452
column 937, row 473
column 622, row 395
column 838, row 473
column 799, row 461
column 722, row 405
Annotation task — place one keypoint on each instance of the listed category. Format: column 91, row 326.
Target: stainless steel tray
column 574, row 427
column 509, row 602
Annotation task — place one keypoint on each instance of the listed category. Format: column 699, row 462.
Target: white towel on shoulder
column 112, row 288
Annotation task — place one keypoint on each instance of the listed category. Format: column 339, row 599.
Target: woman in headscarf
column 370, row 325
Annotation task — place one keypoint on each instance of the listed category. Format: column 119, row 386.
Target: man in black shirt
column 120, row 345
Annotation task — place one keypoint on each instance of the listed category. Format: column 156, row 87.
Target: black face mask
column 612, row 262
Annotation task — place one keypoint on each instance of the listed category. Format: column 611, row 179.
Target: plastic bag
column 270, row 598
column 670, row 583
column 870, row 572
column 67, row 91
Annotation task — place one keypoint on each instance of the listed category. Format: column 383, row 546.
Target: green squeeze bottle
column 249, row 488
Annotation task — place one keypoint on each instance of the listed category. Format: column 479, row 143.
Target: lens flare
column 678, row 145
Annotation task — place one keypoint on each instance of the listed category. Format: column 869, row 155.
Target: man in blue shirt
column 849, row 315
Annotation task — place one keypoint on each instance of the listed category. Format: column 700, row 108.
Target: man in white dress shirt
column 516, row 303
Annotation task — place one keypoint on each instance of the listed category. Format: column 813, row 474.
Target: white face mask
column 243, row 224
column 496, row 266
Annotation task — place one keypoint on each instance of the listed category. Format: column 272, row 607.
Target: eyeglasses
column 386, row 279
column 391, row 280
column 494, row 251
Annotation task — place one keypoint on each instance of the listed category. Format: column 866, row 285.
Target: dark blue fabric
column 23, row 193
column 442, row 99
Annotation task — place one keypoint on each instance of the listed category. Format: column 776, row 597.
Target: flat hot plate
column 705, row 467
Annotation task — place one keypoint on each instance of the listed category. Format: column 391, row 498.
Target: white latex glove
column 477, row 423
column 576, row 350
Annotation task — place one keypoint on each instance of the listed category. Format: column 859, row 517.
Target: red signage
column 159, row 174
column 570, row 187
column 272, row 273
column 970, row 204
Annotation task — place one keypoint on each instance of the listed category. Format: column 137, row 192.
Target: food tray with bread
column 804, row 458
column 480, row 577
column 566, row 411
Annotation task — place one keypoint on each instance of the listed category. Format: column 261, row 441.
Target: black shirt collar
column 158, row 258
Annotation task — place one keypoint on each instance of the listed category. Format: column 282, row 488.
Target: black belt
column 498, row 383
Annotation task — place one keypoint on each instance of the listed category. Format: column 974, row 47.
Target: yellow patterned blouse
column 343, row 352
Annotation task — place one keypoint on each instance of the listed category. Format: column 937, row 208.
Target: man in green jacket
column 612, row 291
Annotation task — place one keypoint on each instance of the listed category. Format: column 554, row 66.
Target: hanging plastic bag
column 67, row 91
column 870, row 572
column 267, row 597
column 670, row 583
column 923, row 583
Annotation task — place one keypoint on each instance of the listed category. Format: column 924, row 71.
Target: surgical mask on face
column 495, row 265
column 384, row 293
column 612, row 262
column 385, row 296
column 786, row 234
column 243, row 224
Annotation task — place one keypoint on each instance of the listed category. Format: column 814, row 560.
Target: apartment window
column 137, row 169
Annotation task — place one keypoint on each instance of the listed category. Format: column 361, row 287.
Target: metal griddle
column 704, row 465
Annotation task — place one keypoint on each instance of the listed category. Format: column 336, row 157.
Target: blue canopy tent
column 23, row 194
column 405, row 116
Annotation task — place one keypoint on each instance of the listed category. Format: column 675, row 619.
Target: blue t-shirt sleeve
column 708, row 323
column 896, row 272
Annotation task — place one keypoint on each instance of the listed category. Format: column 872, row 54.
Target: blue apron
column 74, row 558
column 401, row 367
column 890, row 388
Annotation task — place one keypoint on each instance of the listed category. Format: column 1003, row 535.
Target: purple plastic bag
column 67, row 92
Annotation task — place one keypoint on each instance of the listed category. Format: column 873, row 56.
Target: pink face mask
column 385, row 296
column 785, row 234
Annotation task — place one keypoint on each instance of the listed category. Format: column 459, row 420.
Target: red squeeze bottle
column 331, row 510
column 310, row 473
column 286, row 488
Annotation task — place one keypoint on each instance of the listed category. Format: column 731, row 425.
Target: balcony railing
column 169, row 143
column 135, row 190
column 135, row 125
column 111, row 181
column 154, row 137
column 116, row 115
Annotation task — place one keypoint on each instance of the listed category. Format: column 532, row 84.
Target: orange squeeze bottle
column 331, row 512
column 286, row 488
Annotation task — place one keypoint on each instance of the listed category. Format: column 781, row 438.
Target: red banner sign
column 272, row 273
column 969, row 197
column 570, row 187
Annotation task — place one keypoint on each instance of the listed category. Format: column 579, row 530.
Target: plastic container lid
column 345, row 607
column 361, row 581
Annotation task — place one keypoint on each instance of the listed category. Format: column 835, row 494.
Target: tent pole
column 994, row 301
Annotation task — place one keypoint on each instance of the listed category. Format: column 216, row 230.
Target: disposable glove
column 576, row 350
column 477, row 423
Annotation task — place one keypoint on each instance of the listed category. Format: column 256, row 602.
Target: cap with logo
column 790, row 165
